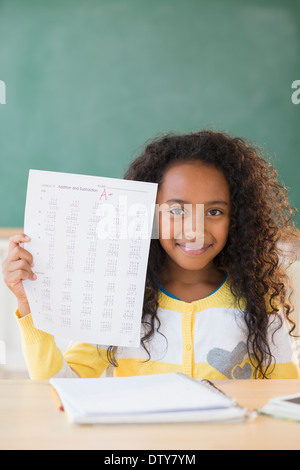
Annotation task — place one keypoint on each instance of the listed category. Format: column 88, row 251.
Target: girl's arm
column 45, row 360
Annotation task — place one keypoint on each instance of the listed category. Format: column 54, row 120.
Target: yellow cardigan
column 205, row 339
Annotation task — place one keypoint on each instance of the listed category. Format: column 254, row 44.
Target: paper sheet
column 90, row 245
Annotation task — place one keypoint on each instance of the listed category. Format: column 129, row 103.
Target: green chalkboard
column 88, row 82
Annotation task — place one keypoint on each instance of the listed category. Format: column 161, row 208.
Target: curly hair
column 260, row 218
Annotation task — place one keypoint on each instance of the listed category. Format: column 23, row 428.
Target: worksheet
column 90, row 240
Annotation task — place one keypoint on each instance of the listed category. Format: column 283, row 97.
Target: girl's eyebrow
column 180, row 201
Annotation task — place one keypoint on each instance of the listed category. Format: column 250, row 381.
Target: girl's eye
column 176, row 211
column 215, row 210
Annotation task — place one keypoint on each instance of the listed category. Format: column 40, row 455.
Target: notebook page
column 90, row 245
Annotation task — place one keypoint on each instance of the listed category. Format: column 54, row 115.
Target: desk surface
column 29, row 419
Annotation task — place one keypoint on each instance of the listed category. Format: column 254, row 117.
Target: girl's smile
column 193, row 249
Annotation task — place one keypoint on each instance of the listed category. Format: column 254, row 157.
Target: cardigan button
column 189, row 308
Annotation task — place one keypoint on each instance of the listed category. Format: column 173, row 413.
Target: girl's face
column 190, row 241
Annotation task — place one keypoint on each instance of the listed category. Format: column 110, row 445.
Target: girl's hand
column 17, row 267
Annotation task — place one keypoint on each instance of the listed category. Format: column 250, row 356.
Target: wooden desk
column 29, row 419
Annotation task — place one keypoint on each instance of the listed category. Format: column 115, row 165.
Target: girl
column 218, row 309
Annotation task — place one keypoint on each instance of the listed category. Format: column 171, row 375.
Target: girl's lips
column 189, row 249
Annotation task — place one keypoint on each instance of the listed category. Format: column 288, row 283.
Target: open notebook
column 171, row 397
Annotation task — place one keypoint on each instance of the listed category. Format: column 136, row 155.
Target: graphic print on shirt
column 230, row 363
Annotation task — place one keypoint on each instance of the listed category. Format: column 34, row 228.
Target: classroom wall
column 87, row 83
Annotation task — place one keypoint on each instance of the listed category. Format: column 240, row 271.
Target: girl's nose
column 194, row 224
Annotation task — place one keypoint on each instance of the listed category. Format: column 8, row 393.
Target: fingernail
column 34, row 277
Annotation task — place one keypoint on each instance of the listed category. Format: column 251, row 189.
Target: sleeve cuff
column 30, row 334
